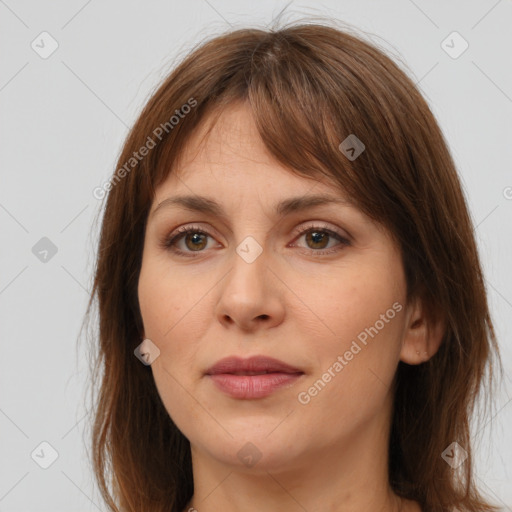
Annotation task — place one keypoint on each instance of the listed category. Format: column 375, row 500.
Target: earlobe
column 421, row 339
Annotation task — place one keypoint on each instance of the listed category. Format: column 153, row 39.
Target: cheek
column 171, row 315
column 165, row 297
column 365, row 311
column 354, row 300
column 352, row 385
column 173, row 320
column 173, row 388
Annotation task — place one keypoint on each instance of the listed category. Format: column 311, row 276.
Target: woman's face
column 281, row 283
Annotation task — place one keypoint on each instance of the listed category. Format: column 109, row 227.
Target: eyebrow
column 209, row 206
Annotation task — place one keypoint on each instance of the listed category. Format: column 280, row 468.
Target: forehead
column 228, row 172
column 230, row 157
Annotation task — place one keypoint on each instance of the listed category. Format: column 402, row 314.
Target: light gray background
column 62, row 124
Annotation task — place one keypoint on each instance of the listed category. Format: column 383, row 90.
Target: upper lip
column 255, row 364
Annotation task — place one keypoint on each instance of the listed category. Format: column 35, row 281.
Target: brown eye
column 195, row 240
column 318, row 237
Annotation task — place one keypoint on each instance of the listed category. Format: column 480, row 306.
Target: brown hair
column 309, row 86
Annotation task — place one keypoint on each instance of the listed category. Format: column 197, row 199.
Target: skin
column 331, row 453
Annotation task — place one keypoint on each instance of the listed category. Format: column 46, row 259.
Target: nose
column 251, row 296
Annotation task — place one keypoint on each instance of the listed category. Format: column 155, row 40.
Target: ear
column 422, row 337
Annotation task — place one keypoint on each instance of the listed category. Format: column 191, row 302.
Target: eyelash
column 169, row 242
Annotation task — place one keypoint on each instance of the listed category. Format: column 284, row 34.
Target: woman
column 292, row 309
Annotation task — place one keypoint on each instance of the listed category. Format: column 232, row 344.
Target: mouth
column 263, row 372
column 255, row 377
column 256, row 365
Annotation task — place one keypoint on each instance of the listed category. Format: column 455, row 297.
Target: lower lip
column 253, row 386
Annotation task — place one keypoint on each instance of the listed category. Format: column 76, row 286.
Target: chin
column 256, row 451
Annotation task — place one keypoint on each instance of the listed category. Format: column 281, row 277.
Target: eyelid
column 298, row 230
column 169, row 241
column 320, row 224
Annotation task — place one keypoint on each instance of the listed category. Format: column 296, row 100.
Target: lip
column 255, row 377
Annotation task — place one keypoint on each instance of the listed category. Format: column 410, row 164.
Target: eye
column 195, row 240
column 194, row 237
column 318, row 237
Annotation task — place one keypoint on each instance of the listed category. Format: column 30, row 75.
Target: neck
column 349, row 477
